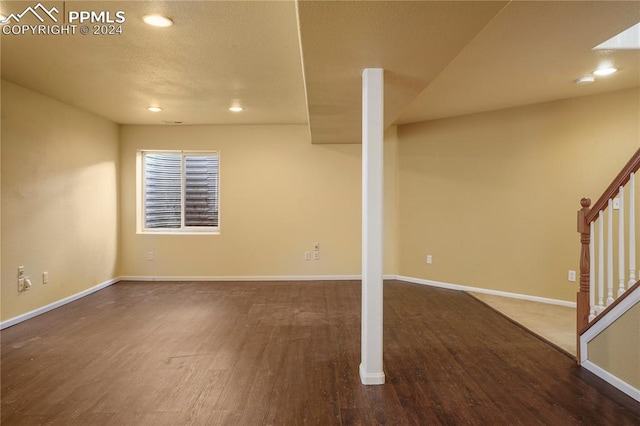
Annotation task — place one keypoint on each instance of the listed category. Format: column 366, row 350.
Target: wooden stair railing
column 588, row 308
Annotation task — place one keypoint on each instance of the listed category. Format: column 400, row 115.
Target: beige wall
column 493, row 196
column 59, row 199
column 617, row 348
column 279, row 194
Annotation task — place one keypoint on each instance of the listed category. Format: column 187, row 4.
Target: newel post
column 585, row 237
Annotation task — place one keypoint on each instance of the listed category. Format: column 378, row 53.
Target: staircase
column 608, row 303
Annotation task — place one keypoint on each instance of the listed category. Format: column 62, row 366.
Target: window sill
column 178, row 232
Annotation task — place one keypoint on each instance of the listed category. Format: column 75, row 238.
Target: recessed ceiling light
column 154, row 109
column 585, row 80
column 605, row 71
column 236, row 109
column 157, row 20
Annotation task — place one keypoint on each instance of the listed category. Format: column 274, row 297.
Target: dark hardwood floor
column 287, row 353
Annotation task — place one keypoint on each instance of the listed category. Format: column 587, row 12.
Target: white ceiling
column 412, row 41
column 302, row 63
column 215, row 53
column 532, row 52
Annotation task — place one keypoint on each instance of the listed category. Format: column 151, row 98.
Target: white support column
column 371, row 372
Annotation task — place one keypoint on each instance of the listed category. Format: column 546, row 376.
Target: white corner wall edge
column 371, row 378
column 487, row 291
column 612, row 380
column 611, row 317
column 57, row 304
column 594, row 331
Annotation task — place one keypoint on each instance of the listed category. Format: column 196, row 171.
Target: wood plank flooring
column 287, row 353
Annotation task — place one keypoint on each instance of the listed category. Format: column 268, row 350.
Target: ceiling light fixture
column 585, row 80
column 157, row 20
column 601, row 72
column 154, row 109
column 236, row 109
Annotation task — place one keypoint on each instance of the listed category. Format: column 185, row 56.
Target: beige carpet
column 556, row 324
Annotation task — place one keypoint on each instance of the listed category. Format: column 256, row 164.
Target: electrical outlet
column 429, row 259
column 316, row 255
column 316, row 246
column 45, row 278
column 149, row 255
column 22, row 280
column 572, row 276
column 307, row 255
column 24, row 284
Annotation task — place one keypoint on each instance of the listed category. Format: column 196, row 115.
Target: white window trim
column 140, row 197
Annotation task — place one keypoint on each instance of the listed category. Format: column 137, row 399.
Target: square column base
column 371, row 378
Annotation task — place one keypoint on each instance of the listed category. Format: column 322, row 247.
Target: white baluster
column 592, row 271
column 632, row 230
column 621, row 271
column 609, row 252
column 600, row 261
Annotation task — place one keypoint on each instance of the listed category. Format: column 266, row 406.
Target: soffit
column 532, row 52
column 412, row 41
column 440, row 59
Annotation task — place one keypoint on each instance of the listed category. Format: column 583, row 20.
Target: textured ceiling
column 215, row 53
column 412, row 41
column 532, row 52
column 289, row 62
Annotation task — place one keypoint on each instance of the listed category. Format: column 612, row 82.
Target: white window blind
column 181, row 191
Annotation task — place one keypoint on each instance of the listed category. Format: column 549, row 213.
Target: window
column 180, row 192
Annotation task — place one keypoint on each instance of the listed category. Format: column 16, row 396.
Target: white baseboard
column 69, row 299
column 612, row 316
column 250, row 278
column 371, row 378
column 612, row 380
column 594, row 331
column 57, row 304
column 487, row 291
column 61, row 302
